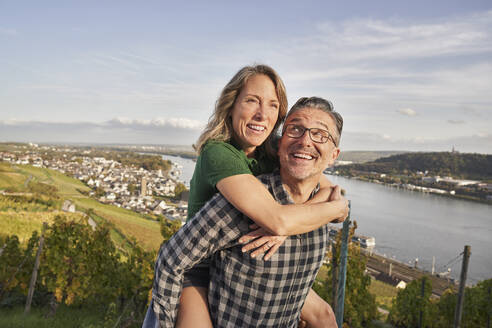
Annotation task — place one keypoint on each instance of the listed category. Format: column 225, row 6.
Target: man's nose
column 305, row 139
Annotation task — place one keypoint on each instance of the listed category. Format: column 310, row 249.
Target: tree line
column 414, row 306
column 466, row 166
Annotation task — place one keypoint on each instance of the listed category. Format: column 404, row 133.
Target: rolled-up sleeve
column 216, row 226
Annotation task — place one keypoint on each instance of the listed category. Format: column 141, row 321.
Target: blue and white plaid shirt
column 243, row 291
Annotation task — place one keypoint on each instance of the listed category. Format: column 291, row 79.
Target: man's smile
column 304, row 154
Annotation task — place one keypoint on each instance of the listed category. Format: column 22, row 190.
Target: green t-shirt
column 219, row 160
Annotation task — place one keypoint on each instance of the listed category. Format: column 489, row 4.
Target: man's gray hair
column 321, row 104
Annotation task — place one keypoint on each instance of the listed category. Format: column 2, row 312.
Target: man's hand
column 261, row 241
column 336, row 196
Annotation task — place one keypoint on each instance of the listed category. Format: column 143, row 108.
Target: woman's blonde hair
column 219, row 126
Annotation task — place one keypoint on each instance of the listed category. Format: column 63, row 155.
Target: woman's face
column 254, row 113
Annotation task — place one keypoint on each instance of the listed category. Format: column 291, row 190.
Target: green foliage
column 132, row 188
column 409, row 302
column 468, row 166
column 178, row 190
column 169, row 228
column 16, row 264
column 477, row 305
column 39, row 188
column 360, row 305
column 32, row 203
column 80, row 267
column 136, row 277
column 128, row 158
column 65, row 317
column 385, row 293
column 79, row 264
column 440, row 313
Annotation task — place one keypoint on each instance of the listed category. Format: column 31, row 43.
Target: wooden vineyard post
column 461, row 292
column 34, row 275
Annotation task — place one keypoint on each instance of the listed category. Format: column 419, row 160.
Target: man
column 246, row 291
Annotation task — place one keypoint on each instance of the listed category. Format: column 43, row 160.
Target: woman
column 235, row 146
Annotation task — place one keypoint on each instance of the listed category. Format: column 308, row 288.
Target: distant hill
column 465, row 166
column 366, row 156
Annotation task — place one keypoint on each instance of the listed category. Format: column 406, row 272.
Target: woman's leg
column 193, row 308
column 317, row 313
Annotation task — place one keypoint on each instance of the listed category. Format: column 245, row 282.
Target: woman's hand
column 261, row 241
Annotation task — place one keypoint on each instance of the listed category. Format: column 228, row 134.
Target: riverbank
column 416, row 188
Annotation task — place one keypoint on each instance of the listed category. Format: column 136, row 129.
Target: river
column 409, row 224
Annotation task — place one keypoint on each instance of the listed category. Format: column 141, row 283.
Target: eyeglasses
column 316, row 135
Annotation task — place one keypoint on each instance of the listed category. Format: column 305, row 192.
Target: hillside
column 27, row 204
column 458, row 165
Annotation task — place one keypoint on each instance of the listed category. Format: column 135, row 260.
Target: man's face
column 302, row 158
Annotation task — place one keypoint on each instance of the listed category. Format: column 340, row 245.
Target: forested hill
column 457, row 165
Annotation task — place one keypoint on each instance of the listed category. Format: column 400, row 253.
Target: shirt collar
column 279, row 192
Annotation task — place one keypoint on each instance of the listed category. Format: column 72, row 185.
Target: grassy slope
column 65, row 317
column 9, row 178
column 23, row 223
column 132, row 224
column 383, row 292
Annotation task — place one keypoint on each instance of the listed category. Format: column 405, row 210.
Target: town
column 134, row 188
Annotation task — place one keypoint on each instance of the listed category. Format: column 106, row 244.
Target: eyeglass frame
column 329, row 137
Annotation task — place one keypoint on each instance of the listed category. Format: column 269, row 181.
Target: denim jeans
column 150, row 320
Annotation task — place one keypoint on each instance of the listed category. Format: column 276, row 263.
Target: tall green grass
column 72, row 317
column 384, row 293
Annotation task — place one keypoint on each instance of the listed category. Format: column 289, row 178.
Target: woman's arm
column 260, row 206
column 261, row 241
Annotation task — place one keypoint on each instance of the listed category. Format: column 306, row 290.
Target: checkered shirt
column 243, row 291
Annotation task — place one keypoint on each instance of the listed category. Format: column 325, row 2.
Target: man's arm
column 214, row 227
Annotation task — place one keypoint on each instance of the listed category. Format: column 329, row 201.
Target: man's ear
column 335, row 153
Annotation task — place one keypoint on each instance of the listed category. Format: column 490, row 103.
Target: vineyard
column 98, row 276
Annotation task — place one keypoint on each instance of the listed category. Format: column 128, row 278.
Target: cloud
column 407, row 112
column 399, row 39
column 180, row 131
column 456, row 121
column 479, row 143
column 182, row 123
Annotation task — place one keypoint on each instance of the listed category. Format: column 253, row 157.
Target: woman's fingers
column 271, row 245
column 252, row 235
column 272, row 251
column 260, row 242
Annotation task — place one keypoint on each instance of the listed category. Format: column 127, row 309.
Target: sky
column 405, row 75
